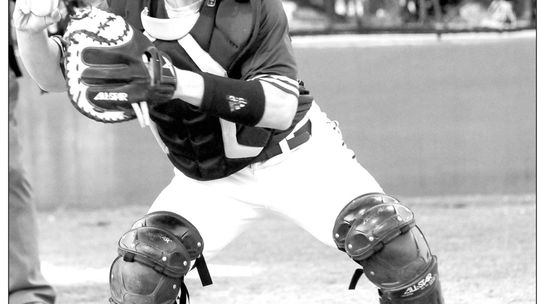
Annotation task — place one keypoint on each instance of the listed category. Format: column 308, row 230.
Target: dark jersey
column 254, row 45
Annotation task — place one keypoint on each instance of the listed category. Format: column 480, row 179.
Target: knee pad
column 154, row 256
column 380, row 234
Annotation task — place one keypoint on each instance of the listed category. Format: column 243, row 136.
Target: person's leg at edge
column 26, row 282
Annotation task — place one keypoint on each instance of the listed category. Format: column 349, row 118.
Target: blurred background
column 367, row 16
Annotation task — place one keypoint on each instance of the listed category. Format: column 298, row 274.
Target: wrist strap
column 234, row 100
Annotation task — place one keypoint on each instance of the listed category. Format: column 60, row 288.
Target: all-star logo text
column 421, row 285
column 111, row 96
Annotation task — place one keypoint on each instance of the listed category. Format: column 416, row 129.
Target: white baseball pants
column 309, row 185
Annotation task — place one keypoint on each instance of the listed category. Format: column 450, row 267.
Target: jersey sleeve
column 273, row 61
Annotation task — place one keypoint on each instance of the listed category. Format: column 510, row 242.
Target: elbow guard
column 235, row 100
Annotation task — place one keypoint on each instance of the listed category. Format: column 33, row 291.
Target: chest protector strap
column 226, row 29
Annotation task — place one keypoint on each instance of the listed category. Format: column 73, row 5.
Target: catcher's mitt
column 110, row 67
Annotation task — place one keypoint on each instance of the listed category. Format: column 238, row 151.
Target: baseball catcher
column 217, row 83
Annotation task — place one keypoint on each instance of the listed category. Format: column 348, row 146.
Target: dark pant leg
column 26, row 283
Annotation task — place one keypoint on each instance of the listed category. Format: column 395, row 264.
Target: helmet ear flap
column 136, row 283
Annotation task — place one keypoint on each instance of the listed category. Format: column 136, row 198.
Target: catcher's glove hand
column 112, row 68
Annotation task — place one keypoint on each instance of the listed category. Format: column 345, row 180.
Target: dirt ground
column 485, row 244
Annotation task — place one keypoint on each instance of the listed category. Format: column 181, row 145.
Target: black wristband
column 234, row 100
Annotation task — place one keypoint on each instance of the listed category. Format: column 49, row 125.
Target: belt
column 290, row 142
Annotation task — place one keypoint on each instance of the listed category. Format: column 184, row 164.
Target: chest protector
column 228, row 31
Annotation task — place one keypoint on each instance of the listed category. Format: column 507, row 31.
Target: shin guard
column 380, row 234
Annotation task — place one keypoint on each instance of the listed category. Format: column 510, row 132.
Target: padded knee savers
column 380, row 234
column 369, row 222
column 154, row 256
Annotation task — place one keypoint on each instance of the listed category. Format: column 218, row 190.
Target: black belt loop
column 299, row 139
column 301, row 136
